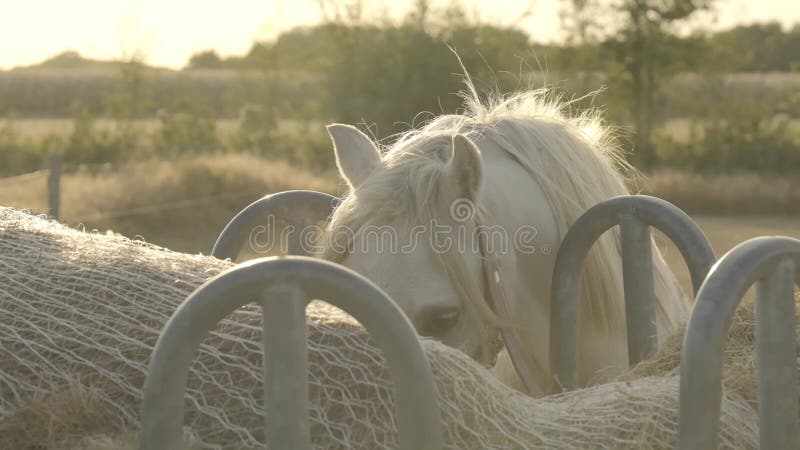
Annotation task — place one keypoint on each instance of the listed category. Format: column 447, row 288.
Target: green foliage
column 748, row 136
column 259, row 133
column 385, row 76
column 207, row 59
column 295, row 66
column 392, row 75
column 88, row 144
column 753, row 48
column 91, row 144
column 644, row 51
column 189, row 127
column 256, row 130
column 131, row 98
column 18, row 154
column 307, row 147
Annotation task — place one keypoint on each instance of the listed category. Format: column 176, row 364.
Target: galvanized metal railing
column 634, row 214
column 301, row 209
column 284, row 286
column 773, row 263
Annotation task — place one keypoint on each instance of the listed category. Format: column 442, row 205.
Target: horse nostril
column 437, row 322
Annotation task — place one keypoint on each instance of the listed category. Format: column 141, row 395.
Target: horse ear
column 356, row 154
column 464, row 170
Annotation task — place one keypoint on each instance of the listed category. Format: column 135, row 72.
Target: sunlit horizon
column 167, row 34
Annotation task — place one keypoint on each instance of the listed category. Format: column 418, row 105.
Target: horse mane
column 573, row 158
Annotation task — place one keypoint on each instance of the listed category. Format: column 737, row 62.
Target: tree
column 644, row 47
column 392, row 76
column 206, row 59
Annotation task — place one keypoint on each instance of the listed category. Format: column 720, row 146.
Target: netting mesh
column 80, row 312
column 740, row 372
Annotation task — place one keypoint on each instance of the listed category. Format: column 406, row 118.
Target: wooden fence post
column 54, row 184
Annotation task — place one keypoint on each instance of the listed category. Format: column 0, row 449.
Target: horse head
column 398, row 227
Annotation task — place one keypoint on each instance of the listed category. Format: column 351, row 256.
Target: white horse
column 510, row 164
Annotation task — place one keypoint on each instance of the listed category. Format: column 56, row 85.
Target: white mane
column 572, row 158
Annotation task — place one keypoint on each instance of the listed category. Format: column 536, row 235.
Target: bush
column 19, row 154
column 188, row 128
column 394, row 76
column 737, row 131
column 302, row 144
column 89, row 144
column 256, row 130
column 763, row 144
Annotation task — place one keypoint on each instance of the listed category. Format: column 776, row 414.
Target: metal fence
column 774, row 264
column 301, row 209
column 634, row 214
column 283, row 286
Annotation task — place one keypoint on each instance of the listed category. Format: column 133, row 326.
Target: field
column 35, row 128
column 724, row 233
column 680, row 129
column 677, row 129
column 179, row 204
column 197, row 196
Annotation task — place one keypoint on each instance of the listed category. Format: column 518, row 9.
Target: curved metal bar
column 418, row 415
column 634, row 212
column 775, row 261
column 302, row 208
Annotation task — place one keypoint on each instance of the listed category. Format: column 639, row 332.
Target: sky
column 168, row 32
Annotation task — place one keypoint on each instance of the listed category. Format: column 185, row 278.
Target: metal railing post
column 301, row 208
column 635, row 213
column 285, row 358
column 640, row 298
column 776, row 326
column 54, row 162
column 276, row 282
column 773, row 262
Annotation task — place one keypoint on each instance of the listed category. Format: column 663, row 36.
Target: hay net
column 83, row 311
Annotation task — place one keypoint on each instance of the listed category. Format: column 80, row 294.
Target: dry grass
column 41, row 127
column 734, row 194
column 680, row 129
column 179, row 204
column 183, row 204
column 724, row 233
column 75, row 418
column 58, row 420
column 739, row 371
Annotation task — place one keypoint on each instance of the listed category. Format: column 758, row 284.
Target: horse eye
column 439, row 323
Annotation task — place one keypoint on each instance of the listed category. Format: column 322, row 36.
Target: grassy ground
column 680, row 129
column 184, row 204
column 725, row 194
column 677, row 129
column 36, row 128
column 40, row 127
column 179, row 204
column 724, row 233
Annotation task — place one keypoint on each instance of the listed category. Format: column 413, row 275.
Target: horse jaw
column 414, row 278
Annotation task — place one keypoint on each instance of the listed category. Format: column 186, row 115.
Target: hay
column 80, row 313
column 739, row 371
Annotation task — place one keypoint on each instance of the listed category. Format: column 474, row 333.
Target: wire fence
column 52, row 188
column 25, row 176
column 152, row 209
